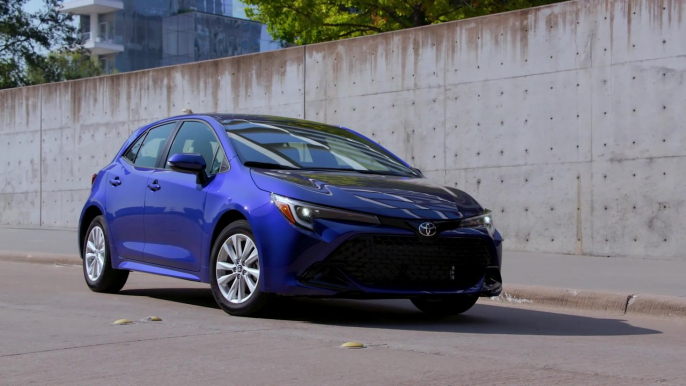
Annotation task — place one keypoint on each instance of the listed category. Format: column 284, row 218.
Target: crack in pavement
column 126, row 341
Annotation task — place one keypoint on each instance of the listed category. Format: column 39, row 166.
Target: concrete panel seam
column 520, row 76
column 40, row 163
column 649, row 60
column 69, row 190
column 378, row 93
column 518, row 165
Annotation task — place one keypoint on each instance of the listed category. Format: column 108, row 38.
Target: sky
column 239, row 9
column 33, row 5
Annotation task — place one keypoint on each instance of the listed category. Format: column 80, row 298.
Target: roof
column 223, row 118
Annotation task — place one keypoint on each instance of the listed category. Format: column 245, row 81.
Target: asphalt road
column 53, row 330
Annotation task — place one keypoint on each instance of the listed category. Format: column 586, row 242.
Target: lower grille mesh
column 411, row 263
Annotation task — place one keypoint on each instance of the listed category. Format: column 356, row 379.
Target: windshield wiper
column 268, row 165
column 384, row 173
column 362, row 171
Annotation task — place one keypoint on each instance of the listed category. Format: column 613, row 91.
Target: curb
column 583, row 300
column 40, row 258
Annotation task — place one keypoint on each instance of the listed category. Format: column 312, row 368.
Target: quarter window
column 133, row 150
column 220, row 164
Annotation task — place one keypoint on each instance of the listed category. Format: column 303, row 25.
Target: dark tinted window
column 152, row 145
column 308, row 147
column 198, row 138
column 220, row 164
column 133, row 150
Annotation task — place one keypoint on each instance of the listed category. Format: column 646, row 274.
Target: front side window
column 198, row 138
column 152, row 145
column 311, row 148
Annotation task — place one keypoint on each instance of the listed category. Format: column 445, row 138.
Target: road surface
column 55, row 331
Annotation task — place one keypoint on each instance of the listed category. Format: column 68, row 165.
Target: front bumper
column 339, row 259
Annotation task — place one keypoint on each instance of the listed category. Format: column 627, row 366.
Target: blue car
column 261, row 207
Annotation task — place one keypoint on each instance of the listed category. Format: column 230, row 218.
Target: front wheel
column 235, row 271
column 444, row 306
column 97, row 262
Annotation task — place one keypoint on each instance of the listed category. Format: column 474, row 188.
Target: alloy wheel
column 238, row 269
column 95, row 253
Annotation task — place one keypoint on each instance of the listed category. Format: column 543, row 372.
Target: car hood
column 391, row 196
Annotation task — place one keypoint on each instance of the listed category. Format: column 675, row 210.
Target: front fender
column 226, row 197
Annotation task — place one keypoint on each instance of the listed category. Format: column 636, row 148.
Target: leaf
column 26, row 37
column 313, row 21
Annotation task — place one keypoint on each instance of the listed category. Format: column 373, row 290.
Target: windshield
column 310, row 147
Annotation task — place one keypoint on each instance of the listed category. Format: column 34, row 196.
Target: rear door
column 175, row 203
column 127, row 184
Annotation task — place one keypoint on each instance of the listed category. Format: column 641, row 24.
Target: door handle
column 115, row 181
column 155, row 186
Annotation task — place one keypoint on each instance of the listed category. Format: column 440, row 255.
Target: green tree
column 60, row 66
column 313, row 21
column 26, row 36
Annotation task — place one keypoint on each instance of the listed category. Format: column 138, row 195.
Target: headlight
column 484, row 220
column 304, row 214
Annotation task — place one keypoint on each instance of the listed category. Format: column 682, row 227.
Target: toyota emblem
column 427, row 229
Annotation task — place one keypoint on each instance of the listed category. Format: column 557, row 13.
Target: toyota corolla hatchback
column 261, row 207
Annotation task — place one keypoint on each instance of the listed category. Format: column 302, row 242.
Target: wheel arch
column 226, row 218
column 89, row 214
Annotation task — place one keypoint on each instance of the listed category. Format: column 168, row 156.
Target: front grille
column 411, row 263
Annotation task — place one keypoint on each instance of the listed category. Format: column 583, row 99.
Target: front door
column 175, row 203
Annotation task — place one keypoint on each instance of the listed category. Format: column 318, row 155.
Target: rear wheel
column 235, row 271
column 97, row 262
column 444, row 306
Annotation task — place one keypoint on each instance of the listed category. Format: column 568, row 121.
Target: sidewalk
column 614, row 274
column 656, row 277
column 43, row 240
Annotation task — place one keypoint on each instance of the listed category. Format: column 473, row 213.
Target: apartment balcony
column 89, row 7
column 102, row 44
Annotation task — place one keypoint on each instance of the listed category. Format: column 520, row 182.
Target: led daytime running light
column 304, row 214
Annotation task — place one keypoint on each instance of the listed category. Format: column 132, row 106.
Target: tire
column 236, row 287
column 97, row 257
column 444, row 306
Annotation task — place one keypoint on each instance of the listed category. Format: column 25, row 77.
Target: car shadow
column 201, row 297
column 484, row 318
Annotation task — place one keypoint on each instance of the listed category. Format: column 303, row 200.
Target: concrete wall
column 568, row 121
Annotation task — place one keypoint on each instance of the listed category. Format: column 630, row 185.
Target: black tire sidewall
column 110, row 280
column 258, row 299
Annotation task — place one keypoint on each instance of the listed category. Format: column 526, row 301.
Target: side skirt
column 141, row 267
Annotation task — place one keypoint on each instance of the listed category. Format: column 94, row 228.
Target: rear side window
column 149, row 151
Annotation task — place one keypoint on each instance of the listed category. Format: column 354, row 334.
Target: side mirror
column 191, row 163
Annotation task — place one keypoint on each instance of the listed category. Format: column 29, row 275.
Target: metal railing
column 102, row 37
